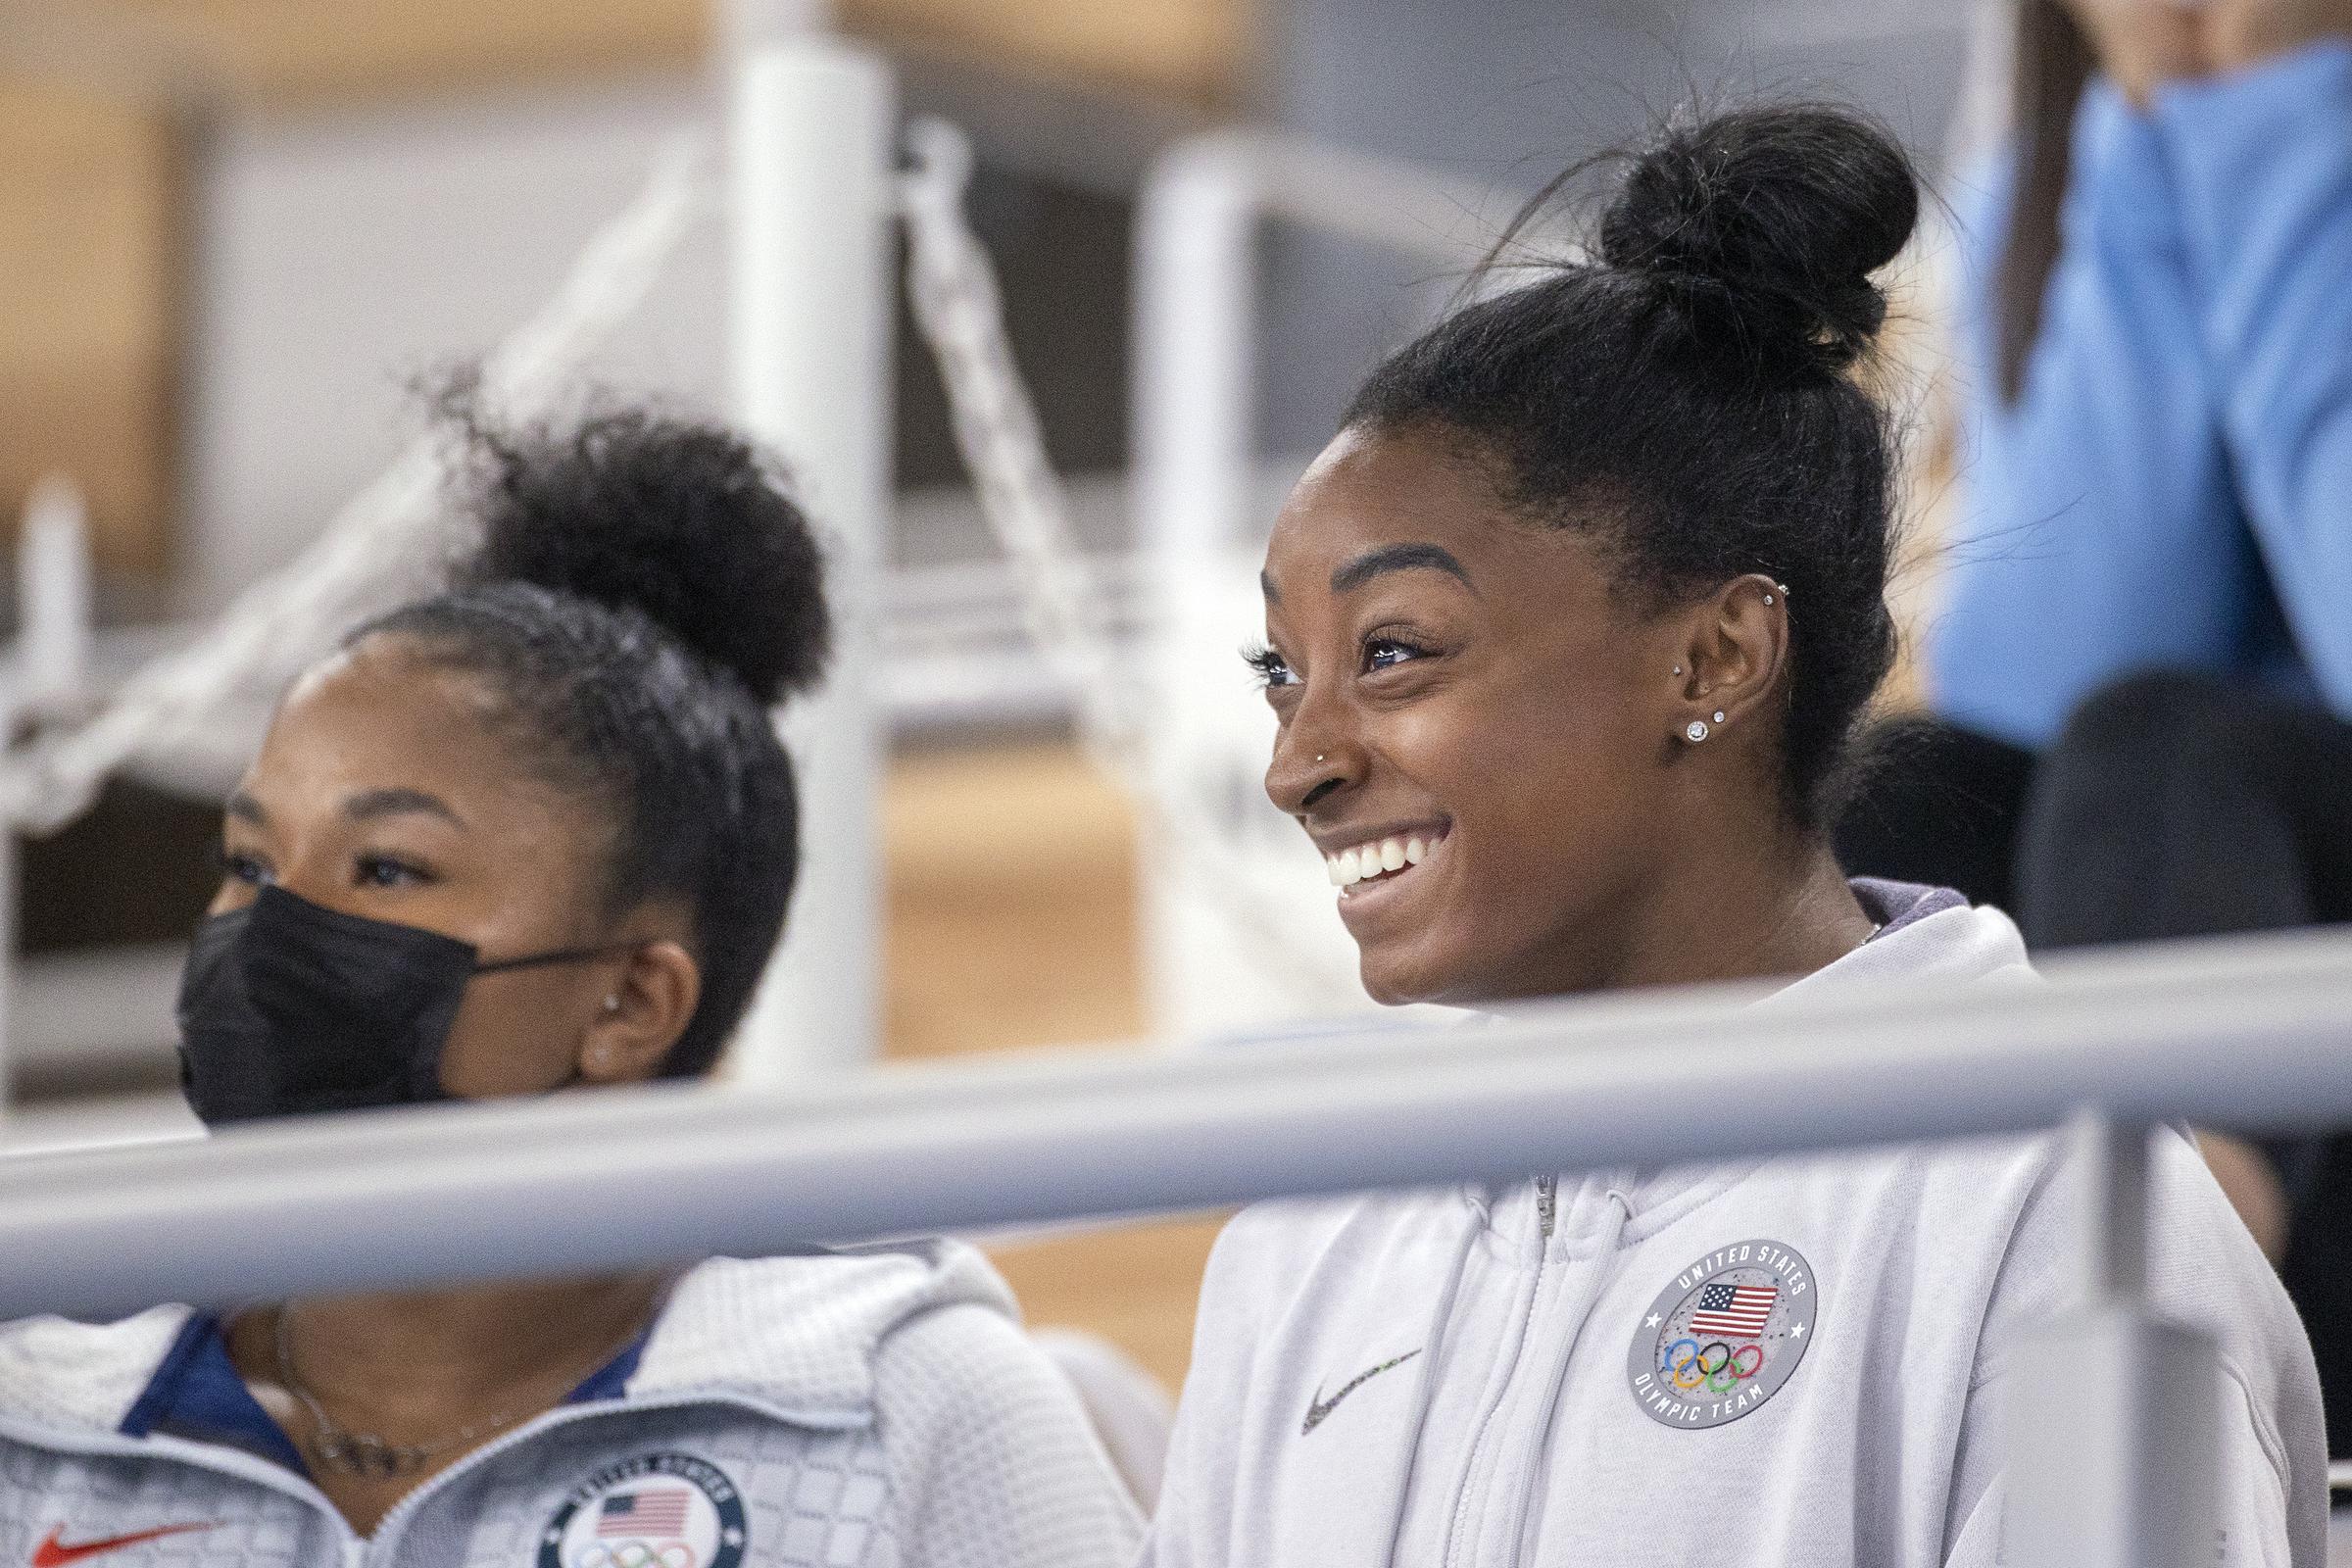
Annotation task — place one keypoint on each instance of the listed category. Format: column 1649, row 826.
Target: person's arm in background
column 2101, row 535
column 2262, row 154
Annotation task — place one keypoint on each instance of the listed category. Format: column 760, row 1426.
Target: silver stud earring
column 1768, row 598
column 1695, row 731
column 1719, row 715
column 611, row 1004
column 1678, row 669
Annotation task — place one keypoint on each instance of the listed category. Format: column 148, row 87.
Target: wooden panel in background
column 319, row 52
column 280, row 52
column 1011, row 904
column 1192, row 52
column 1134, row 1285
column 89, row 237
column 1012, row 876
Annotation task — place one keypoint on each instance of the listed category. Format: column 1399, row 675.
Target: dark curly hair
column 1687, row 396
column 644, row 592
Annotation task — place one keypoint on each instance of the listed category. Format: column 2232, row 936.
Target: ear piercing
column 1696, row 730
column 613, row 1004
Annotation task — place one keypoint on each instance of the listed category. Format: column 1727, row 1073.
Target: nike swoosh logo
column 55, row 1553
column 1322, row 1407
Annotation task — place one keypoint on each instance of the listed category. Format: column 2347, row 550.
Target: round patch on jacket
column 657, row 1510
column 1723, row 1335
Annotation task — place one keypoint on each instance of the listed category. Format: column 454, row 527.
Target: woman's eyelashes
column 1387, row 652
column 1376, row 654
column 369, row 870
column 389, row 872
column 240, row 865
column 1269, row 667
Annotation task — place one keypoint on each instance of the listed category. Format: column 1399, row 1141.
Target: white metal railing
column 2112, row 1458
column 2244, row 1033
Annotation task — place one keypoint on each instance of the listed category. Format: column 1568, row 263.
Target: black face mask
column 287, row 1008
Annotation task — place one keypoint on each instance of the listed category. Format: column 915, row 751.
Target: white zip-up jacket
column 1786, row 1363
column 869, row 1409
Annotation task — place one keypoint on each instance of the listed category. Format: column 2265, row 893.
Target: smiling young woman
column 1568, row 632
column 536, row 832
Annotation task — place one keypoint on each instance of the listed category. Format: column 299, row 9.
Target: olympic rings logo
column 634, row 1555
column 1716, row 1367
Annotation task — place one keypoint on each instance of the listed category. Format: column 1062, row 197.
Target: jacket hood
column 795, row 1335
column 1930, row 934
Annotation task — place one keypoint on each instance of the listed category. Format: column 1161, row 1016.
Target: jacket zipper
column 379, row 1545
column 1473, row 1480
column 355, row 1548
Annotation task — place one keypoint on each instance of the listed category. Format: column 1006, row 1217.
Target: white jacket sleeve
column 1000, row 1467
column 2206, row 1272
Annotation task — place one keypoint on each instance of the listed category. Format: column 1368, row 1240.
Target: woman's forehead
column 1373, row 496
column 373, row 718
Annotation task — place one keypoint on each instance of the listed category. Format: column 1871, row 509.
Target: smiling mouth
column 1378, row 861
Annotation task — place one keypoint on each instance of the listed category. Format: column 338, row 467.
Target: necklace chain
column 370, row 1456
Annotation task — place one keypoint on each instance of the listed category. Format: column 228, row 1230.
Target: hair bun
column 1766, row 223
column 683, row 523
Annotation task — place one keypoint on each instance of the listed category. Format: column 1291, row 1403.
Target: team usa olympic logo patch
column 657, row 1510
column 1723, row 1335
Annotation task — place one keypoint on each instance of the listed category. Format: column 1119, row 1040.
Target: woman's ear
column 642, row 1017
column 1734, row 649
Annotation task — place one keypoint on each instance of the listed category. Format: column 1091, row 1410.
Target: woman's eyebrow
column 369, row 804
column 1372, row 564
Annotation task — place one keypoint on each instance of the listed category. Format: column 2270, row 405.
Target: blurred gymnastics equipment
column 2112, row 1459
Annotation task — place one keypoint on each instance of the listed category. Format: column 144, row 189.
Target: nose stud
column 1318, row 756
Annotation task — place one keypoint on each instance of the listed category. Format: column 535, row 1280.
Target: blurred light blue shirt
column 2173, row 488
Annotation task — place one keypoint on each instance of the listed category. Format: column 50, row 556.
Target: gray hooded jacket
column 876, row 1409
column 1786, row 1362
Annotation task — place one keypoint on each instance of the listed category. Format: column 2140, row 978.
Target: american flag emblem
column 1736, row 1311
column 652, row 1514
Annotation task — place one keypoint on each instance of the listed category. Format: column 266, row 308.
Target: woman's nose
column 1311, row 760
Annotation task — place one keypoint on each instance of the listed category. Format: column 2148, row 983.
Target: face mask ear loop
column 541, row 961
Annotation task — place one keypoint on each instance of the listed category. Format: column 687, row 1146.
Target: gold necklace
column 369, row 1456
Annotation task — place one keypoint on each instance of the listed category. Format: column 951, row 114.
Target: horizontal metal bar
column 2255, row 1034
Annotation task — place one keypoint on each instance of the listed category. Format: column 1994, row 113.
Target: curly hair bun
column 1766, row 223
column 680, row 521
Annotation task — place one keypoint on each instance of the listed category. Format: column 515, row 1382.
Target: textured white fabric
column 57, row 1372
column 1129, row 1409
column 1471, row 1383
column 874, row 1410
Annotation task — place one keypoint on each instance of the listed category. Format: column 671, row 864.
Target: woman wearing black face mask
column 532, row 832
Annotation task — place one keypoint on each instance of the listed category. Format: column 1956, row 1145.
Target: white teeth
column 1368, row 861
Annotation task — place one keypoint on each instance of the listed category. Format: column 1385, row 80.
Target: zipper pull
column 1547, row 1203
